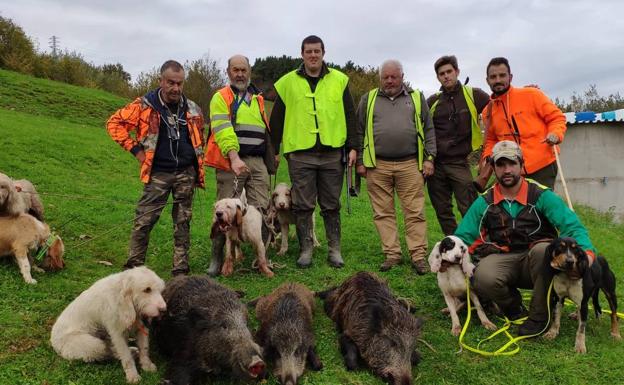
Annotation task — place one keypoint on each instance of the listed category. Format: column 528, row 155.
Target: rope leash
column 512, row 341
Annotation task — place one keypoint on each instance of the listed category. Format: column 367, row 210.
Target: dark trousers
column 545, row 176
column 155, row 194
column 316, row 176
column 450, row 179
column 498, row 277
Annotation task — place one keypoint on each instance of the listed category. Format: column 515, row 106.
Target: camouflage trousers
column 155, row 194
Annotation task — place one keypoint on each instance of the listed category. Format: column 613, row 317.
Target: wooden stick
column 563, row 182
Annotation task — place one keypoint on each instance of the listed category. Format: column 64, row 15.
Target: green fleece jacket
column 549, row 205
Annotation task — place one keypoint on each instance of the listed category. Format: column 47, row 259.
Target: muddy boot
column 217, row 255
column 304, row 225
column 332, row 232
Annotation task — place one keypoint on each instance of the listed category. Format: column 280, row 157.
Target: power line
column 54, row 44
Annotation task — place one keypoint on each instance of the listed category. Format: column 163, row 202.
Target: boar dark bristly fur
column 286, row 333
column 205, row 331
column 374, row 327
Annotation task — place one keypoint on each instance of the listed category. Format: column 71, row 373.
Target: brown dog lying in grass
column 22, row 234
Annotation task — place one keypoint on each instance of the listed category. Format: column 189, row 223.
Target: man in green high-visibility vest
column 398, row 150
column 455, row 113
column 314, row 118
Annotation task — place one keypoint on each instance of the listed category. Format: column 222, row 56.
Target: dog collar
column 46, row 246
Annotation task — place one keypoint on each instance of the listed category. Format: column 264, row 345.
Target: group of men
column 397, row 139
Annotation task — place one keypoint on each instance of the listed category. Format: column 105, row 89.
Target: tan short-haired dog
column 280, row 206
column 23, row 233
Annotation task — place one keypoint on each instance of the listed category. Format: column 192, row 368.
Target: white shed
column 592, row 158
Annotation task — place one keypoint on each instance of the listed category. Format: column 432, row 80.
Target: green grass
column 90, row 187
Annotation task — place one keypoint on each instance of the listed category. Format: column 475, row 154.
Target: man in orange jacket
column 528, row 117
column 168, row 143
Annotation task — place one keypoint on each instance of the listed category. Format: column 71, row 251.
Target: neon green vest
column 310, row 113
column 477, row 137
column 368, row 156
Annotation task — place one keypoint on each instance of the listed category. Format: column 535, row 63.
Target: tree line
column 204, row 75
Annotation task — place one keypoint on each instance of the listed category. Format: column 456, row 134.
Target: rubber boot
column 217, row 255
column 303, row 223
column 332, row 232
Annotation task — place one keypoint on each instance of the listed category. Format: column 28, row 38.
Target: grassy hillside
column 90, row 187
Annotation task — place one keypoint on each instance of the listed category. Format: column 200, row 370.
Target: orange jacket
column 141, row 117
column 535, row 116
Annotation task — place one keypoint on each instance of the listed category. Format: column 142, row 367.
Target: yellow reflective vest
column 477, row 137
column 309, row 114
column 368, row 152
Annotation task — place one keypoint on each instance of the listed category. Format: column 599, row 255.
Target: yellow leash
column 569, row 302
column 512, row 341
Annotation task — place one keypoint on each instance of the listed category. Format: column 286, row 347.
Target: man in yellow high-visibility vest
column 314, row 118
column 238, row 145
column 398, row 150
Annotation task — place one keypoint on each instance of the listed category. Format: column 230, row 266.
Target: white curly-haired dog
column 11, row 203
column 95, row 326
column 19, row 196
column 30, row 197
column 280, row 206
column 451, row 260
column 239, row 222
column 22, row 234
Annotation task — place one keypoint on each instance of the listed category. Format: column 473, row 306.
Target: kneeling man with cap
column 509, row 227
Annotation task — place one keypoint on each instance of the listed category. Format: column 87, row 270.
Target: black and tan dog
column 576, row 279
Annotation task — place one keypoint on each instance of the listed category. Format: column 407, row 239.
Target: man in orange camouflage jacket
column 168, row 143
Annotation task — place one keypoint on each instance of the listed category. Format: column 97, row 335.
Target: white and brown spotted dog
column 280, row 207
column 22, row 234
column 576, row 279
column 239, row 222
column 451, row 260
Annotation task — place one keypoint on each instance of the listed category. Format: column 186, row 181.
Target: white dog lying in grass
column 451, row 260
column 96, row 325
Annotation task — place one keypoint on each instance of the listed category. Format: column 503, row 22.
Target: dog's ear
column 126, row 311
column 549, row 253
column 239, row 217
column 239, row 222
column 54, row 256
column 582, row 260
column 243, row 199
column 466, row 264
column 435, row 259
column 214, row 230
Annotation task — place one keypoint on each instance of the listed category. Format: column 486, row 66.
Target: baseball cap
column 506, row 149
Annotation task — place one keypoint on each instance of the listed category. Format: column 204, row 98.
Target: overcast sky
column 561, row 45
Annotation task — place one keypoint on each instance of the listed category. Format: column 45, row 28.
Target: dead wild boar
column 286, row 333
column 205, row 331
column 374, row 327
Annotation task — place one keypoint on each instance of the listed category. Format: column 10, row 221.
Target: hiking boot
column 217, row 256
column 532, row 328
column 515, row 313
column 331, row 219
column 304, row 226
column 421, row 266
column 389, row 264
